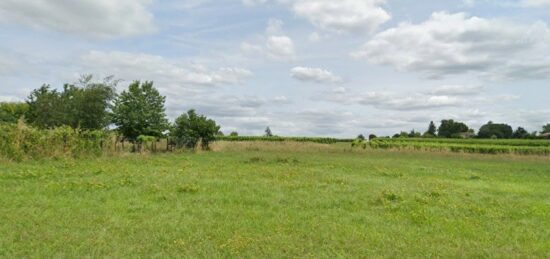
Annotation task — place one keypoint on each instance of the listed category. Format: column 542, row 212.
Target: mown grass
column 272, row 200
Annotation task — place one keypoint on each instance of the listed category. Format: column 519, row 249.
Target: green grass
column 275, row 200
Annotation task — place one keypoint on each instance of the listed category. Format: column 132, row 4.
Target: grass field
column 272, row 200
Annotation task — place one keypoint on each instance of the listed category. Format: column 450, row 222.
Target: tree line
column 138, row 113
column 490, row 130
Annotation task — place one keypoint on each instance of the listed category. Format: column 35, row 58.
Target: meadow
column 277, row 199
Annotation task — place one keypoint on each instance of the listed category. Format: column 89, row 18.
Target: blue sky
column 302, row 67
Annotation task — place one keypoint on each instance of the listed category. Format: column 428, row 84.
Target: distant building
column 545, row 135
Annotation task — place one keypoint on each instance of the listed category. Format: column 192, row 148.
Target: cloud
column 275, row 46
column 87, row 18
column 141, row 66
column 448, row 44
column 446, row 96
column 458, row 90
column 317, row 75
column 352, row 16
column 280, row 47
column 343, row 16
column 535, row 3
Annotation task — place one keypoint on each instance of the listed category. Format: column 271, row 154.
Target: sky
column 302, row 67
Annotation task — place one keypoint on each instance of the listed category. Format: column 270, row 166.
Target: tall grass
column 21, row 142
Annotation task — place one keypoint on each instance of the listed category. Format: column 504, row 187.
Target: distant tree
column 234, row 134
column 191, row 128
column 220, row 133
column 372, row 136
column 361, row 137
column 140, row 111
column 498, row 130
column 432, row 129
column 397, row 135
column 414, row 134
column 521, row 133
column 450, row 128
column 268, row 132
column 403, row 134
column 546, row 128
column 12, row 112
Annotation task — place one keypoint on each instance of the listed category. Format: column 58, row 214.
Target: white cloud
column 254, row 2
column 318, row 75
column 460, row 90
column 88, row 18
column 535, row 3
column 140, row 66
column 280, row 47
column 343, row 16
column 356, row 16
column 456, row 43
column 275, row 46
column 446, row 96
column 281, row 99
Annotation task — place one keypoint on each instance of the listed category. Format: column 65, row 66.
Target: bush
column 19, row 142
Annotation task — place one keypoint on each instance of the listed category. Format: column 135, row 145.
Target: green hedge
column 280, row 139
column 523, row 147
column 19, row 142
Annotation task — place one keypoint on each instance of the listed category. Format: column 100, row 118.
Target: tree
column 191, row 128
column 521, row 133
column 498, row 130
column 431, row 129
column 361, row 137
column 12, row 112
column 450, row 128
column 414, row 134
column 45, row 108
column 268, row 132
column 85, row 104
column 234, row 134
column 372, row 136
column 140, row 111
column 546, row 128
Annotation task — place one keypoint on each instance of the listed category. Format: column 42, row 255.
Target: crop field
column 484, row 146
column 277, row 200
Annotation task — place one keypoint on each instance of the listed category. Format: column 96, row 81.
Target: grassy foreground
column 272, row 200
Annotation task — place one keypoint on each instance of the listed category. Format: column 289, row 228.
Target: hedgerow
column 280, row 139
column 20, row 142
column 523, row 147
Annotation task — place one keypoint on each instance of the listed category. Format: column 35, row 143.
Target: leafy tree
column 450, row 128
column 521, row 133
column 88, row 104
column 414, row 134
column 140, row 111
column 501, row 131
column 45, row 108
column 268, row 132
column 372, row 136
column 361, row 137
column 546, row 128
column 234, row 134
column 12, row 112
column 431, row 129
column 191, row 128
column 85, row 105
